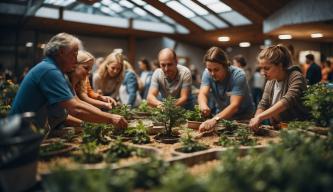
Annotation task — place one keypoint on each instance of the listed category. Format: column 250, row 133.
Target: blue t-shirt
column 43, row 86
column 235, row 84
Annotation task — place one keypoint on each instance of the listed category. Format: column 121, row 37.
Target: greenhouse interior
column 166, row 95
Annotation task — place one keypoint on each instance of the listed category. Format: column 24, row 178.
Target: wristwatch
column 217, row 118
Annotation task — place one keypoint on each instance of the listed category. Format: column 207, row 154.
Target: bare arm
column 226, row 113
column 203, row 100
column 261, row 115
column 151, row 98
column 97, row 103
column 91, row 114
column 232, row 108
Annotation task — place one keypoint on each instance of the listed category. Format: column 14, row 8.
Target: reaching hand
column 119, row 121
column 207, row 125
column 108, row 100
column 205, row 111
column 254, row 123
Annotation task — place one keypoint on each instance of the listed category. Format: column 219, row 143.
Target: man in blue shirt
column 45, row 85
column 228, row 86
column 313, row 73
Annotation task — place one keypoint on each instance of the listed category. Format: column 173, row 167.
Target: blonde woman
column 80, row 82
column 281, row 100
column 114, row 75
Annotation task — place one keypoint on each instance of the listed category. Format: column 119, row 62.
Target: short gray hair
column 61, row 40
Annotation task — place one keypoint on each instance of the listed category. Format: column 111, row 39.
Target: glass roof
column 207, row 14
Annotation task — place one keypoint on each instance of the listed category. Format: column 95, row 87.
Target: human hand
column 254, row 123
column 205, row 110
column 108, row 100
column 119, row 121
column 207, row 125
column 107, row 106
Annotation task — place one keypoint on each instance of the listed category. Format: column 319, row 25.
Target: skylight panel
column 219, row 7
column 216, row 21
column 235, row 18
column 194, row 7
column 140, row 11
column 106, row 2
column 115, row 7
column 181, row 9
column 153, row 10
column 139, row 2
column 97, row 5
column 202, row 23
column 126, row 4
column 207, row 2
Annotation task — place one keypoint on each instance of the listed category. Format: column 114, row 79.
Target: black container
column 19, row 148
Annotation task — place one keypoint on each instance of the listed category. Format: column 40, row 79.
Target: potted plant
column 96, row 132
column 143, row 109
column 123, row 110
column 55, row 149
column 319, row 99
column 138, row 134
column 171, row 116
column 118, row 150
column 229, row 127
column 194, row 118
column 89, row 154
column 189, row 145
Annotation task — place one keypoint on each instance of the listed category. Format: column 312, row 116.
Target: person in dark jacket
column 313, row 74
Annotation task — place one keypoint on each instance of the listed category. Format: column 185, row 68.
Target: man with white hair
column 45, row 86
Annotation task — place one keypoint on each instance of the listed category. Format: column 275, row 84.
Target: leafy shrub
column 319, row 99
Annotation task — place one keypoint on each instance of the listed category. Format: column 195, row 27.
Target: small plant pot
column 64, row 151
column 161, row 138
column 182, row 151
column 153, row 130
column 193, row 124
column 66, row 130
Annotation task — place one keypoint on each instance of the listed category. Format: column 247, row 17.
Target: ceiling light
column 224, row 38
column 244, row 44
column 29, row 44
column 285, row 36
column 316, row 35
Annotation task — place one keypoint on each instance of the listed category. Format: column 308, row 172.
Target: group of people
column 58, row 89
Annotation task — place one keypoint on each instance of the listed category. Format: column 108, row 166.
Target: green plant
column 118, row 150
column 45, row 149
column 4, row 109
column 299, row 124
column 96, row 132
column 319, row 99
column 194, row 115
column 144, row 107
column 138, row 134
column 89, row 153
column 8, row 90
column 189, row 145
column 77, row 180
column 304, row 165
column 170, row 115
column 230, row 126
column 243, row 136
column 225, row 141
column 123, row 110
